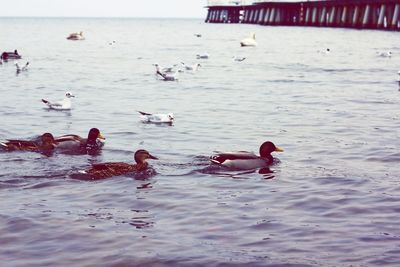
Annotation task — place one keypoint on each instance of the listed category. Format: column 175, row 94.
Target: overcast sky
column 104, row 8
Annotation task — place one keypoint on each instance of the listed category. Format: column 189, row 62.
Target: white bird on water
column 156, row 118
column 24, row 68
column 203, row 56
column 384, row 54
column 249, row 41
column 64, row 104
column 238, row 59
column 193, row 68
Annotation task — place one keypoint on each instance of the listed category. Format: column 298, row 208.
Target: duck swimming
column 46, row 143
column 246, row 160
column 94, row 141
column 109, row 169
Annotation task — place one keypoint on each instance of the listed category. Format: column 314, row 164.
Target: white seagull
column 384, row 54
column 24, row 68
column 156, row 118
column 202, row 56
column 60, row 105
column 238, row 59
column 249, row 41
column 193, row 68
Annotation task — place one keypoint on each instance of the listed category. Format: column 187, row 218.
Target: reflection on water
column 332, row 200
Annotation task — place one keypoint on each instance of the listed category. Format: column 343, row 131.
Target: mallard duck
column 60, row 105
column 247, row 160
column 109, row 169
column 46, row 143
column 94, row 141
column 249, row 41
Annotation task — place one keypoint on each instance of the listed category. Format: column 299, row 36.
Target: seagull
column 169, row 69
column 326, row 51
column 249, row 41
column 384, row 54
column 60, row 105
column 202, row 56
column 24, row 68
column 156, row 118
column 197, row 34
column 193, row 68
column 239, row 59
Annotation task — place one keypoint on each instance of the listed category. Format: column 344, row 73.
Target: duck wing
column 109, row 169
column 20, row 145
column 241, row 155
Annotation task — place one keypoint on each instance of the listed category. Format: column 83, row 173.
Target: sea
column 331, row 199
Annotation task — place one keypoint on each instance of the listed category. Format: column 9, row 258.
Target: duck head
column 48, row 142
column 93, row 135
column 267, row 148
column 141, row 155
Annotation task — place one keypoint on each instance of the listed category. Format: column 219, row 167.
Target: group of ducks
column 72, row 143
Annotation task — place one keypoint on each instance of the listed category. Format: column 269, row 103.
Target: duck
column 60, row 105
column 94, row 141
column 24, row 68
column 243, row 160
column 249, row 41
column 45, row 143
column 156, row 118
column 109, row 169
column 75, row 36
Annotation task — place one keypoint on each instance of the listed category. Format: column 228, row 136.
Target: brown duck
column 109, row 169
column 44, row 144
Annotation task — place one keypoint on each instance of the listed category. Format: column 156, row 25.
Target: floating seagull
column 249, row 41
column 169, row 69
column 197, row 34
column 326, row 51
column 239, row 59
column 193, row 68
column 167, row 76
column 24, row 68
column 111, row 43
column 247, row 160
column 109, row 169
column 60, row 105
column 202, row 56
column 75, row 36
column 156, row 118
column 384, row 54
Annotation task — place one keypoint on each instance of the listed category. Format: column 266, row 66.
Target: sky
column 104, row 8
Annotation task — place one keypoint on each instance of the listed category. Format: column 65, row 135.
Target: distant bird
column 156, row 118
column 60, row 105
column 169, row 69
column 24, row 68
column 384, row 54
column 203, row 56
column 197, row 34
column 193, row 68
column 247, row 160
column 249, row 41
column 94, row 141
column 75, row 36
column 168, row 76
column 46, row 143
column 326, row 51
column 238, row 59
column 109, row 169
column 111, row 43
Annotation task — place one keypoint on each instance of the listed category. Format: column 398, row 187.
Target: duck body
column 243, row 160
column 10, row 55
column 109, row 169
column 46, row 143
column 64, row 104
column 156, row 118
column 73, row 142
column 249, row 41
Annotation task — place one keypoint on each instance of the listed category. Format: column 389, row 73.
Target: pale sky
column 104, row 8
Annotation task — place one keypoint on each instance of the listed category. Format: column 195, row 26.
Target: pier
column 359, row 14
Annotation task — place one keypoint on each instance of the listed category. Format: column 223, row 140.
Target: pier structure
column 360, row 14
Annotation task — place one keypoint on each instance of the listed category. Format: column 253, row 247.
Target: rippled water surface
column 332, row 200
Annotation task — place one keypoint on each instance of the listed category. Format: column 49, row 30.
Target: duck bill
column 101, row 137
column 152, row 157
column 278, row 149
